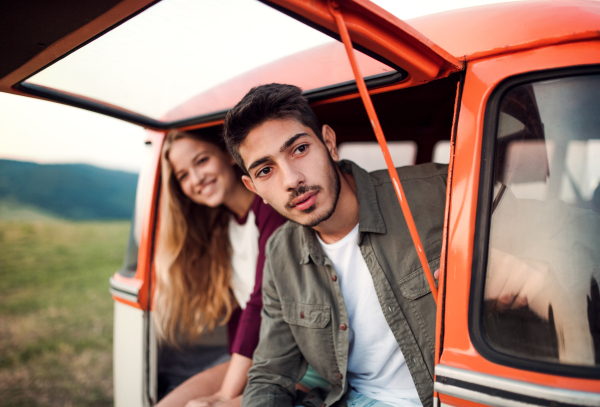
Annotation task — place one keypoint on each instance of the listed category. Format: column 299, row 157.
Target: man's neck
column 239, row 200
column 345, row 217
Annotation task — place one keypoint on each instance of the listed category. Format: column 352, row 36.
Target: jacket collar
column 369, row 215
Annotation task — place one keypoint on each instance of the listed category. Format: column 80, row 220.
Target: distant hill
column 71, row 191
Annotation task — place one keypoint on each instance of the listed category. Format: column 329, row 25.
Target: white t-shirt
column 244, row 245
column 376, row 366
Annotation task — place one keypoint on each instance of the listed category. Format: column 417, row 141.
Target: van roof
column 467, row 34
column 483, row 31
column 501, row 28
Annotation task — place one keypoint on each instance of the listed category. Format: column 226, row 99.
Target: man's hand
column 209, row 401
column 514, row 283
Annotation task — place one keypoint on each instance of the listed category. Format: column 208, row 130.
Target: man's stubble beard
column 336, row 186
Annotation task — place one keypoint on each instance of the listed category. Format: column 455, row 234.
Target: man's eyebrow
column 284, row 147
column 291, row 141
column 258, row 162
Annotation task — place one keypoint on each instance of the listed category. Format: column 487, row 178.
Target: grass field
column 56, row 312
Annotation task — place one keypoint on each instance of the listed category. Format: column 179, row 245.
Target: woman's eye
column 202, row 160
column 181, row 178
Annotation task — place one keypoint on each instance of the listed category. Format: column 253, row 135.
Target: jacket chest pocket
column 306, row 315
column 311, row 326
column 415, row 285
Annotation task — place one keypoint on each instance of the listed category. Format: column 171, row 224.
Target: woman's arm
column 236, row 377
column 248, row 329
column 233, row 383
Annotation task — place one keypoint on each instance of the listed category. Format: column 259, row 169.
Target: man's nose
column 292, row 177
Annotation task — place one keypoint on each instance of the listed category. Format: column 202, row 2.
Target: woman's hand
column 209, row 401
column 232, row 387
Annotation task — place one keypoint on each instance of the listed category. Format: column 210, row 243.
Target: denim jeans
column 360, row 400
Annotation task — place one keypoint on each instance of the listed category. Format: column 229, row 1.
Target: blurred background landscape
column 63, row 233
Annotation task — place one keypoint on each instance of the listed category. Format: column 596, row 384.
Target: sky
column 47, row 132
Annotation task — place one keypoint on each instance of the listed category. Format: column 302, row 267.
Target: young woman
column 209, row 262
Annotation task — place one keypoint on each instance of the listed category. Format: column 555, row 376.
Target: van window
column 368, row 154
column 441, row 152
column 179, row 50
column 541, row 298
column 145, row 179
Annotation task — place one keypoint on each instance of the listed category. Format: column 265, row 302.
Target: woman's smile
column 207, row 188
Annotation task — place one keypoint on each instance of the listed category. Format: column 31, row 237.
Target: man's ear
column 249, row 183
column 329, row 140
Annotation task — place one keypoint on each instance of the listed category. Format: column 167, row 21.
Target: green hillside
column 70, row 191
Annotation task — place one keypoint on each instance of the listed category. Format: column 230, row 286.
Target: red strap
column 366, row 98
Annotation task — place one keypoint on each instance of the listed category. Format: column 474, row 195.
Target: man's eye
column 263, row 172
column 301, row 148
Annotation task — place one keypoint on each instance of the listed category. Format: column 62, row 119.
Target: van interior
column 417, row 123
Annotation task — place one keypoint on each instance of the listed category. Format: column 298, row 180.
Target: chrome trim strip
column 117, row 285
column 477, row 397
column 124, row 291
column 580, row 398
column 125, row 296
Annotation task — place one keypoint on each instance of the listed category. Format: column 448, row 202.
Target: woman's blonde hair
column 193, row 258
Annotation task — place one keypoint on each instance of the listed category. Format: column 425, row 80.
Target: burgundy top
column 244, row 325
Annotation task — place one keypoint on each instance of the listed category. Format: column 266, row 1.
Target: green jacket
column 304, row 315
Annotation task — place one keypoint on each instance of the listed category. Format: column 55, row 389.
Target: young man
column 343, row 288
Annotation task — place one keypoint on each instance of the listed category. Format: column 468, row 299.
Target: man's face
column 292, row 170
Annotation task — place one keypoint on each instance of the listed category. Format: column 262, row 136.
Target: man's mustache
column 299, row 191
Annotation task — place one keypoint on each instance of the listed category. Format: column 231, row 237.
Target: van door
column 134, row 341
column 524, row 220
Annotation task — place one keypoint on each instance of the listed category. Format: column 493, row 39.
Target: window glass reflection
column 541, row 295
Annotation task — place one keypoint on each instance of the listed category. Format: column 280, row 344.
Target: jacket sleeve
column 278, row 363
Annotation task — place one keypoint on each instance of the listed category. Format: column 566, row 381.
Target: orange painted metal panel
column 493, row 29
column 377, row 30
column 453, row 401
column 144, row 277
column 439, row 318
column 481, row 78
column 144, row 271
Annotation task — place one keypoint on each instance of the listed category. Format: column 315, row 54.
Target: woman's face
column 204, row 171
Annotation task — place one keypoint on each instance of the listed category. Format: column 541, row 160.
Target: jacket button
column 302, row 315
column 343, row 327
column 334, row 278
column 340, row 376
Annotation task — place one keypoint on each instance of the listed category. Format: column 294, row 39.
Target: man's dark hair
column 262, row 103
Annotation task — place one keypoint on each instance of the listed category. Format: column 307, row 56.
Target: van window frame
column 313, row 95
column 482, row 230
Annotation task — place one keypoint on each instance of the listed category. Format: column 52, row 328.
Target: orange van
column 508, row 95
